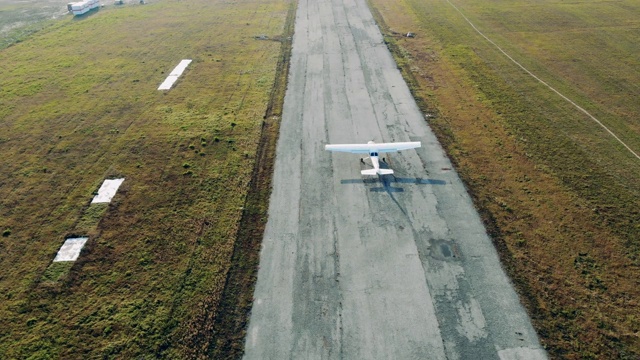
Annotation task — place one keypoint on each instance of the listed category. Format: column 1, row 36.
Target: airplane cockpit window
column 373, row 154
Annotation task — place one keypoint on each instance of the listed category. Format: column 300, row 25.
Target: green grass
column 559, row 195
column 79, row 104
column 89, row 220
column 55, row 272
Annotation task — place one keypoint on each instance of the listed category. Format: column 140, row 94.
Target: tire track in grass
column 544, row 83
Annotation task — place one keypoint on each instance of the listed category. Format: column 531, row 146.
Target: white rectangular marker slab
column 174, row 75
column 70, row 250
column 107, row 191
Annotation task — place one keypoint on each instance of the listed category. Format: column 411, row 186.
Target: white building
column 82, row 7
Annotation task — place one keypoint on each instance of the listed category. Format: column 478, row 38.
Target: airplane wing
column 367, row 148
column 351, row 148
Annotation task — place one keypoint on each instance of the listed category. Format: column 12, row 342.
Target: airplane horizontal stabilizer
column 376, row 172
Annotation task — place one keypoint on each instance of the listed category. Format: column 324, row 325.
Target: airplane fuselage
column 375, row 160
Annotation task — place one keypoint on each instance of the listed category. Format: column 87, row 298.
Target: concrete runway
column 377, row 268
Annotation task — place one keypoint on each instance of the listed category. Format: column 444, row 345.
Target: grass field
column 559, row 195
column 78, row 104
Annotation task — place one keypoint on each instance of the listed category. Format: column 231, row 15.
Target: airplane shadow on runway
column 387, row 182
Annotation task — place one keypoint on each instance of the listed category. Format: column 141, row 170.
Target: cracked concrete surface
column 379, row 268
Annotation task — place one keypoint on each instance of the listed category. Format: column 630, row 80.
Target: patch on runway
column 445, row 250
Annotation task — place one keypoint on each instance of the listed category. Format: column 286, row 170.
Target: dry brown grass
column 576, row 272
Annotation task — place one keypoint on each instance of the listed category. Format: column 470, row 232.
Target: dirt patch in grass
column 558, row 197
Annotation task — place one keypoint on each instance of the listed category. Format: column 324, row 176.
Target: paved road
column 386, row 268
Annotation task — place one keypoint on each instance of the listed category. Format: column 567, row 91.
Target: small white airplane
column 373, row 150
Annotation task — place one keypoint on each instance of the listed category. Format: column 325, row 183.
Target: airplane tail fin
column 386, row 171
